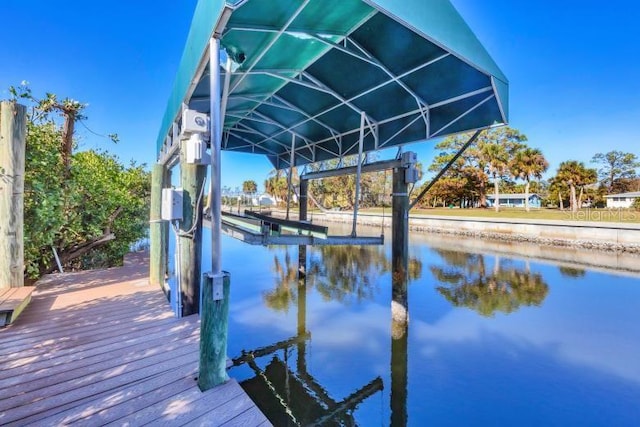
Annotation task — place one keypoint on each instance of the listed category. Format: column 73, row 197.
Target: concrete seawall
column 594, row 235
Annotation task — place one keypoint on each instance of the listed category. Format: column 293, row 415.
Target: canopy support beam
column 290, row 177
column 214, row 313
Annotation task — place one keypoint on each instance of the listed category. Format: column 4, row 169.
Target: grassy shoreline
column 592, row 215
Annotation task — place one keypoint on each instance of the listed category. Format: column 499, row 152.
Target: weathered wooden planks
column 93, row 351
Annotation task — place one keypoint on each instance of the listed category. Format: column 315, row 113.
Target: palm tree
column 575, row 174
column 495, row 148
column 496, row 158
column 277, row 184
column 249, row 187
column 528, row 163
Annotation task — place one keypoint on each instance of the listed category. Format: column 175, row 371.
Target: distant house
column 514, row 200
column 263, row 200
column 622, row 200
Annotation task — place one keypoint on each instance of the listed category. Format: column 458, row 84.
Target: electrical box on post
column 197, row 150
column 194, row 122
column 171, row 204
column 409, row 158
column 411, row 175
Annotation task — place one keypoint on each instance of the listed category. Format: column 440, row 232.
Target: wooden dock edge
column 14, row 303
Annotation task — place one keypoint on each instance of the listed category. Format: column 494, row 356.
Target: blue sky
column 573, row 67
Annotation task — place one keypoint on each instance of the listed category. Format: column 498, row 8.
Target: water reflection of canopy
column 297, row 397
column 305, row 73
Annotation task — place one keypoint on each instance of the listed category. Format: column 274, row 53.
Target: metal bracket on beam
column 217, row 281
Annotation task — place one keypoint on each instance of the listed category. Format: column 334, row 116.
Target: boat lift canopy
column 300, row 74
column 312, row 80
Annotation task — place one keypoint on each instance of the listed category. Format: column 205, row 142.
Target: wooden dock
column 103, row 348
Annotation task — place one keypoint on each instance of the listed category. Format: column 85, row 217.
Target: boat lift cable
column 385, row 189
column 315, row 202
column 189, row 232
column 296, row 190
column 358, row 175
column 178, row 263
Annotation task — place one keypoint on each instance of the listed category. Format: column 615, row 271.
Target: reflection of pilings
column 302, row 265
column 264, row 351
column 400, row 247
column 302, row 308
column 399, row 377
column 351, row 401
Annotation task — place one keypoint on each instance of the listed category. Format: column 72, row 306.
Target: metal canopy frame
column 307, row 72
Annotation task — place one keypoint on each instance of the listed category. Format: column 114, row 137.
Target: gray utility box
column 171, row 204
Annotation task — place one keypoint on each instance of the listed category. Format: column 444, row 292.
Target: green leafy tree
column 497, row 160
column 85, row 205
column 616, row 170
column 636, row 204
column 488, row 157
column 71, row 112
column 575, row 175
column 526, row 164
column 456, row 186
column 496, row 148
column 276, row 185
column 558, row 193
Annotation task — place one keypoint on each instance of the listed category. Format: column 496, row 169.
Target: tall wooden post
column 156, row 250
column 13, row 132
column 399, row 298
column 192, row 178
column 213, row 331
column 400, row 247
column 165, row 230
column 304, row 192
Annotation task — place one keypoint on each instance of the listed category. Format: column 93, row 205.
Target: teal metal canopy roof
column 307, row 71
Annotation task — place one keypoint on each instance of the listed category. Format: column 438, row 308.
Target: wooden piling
column 400, row 247
column 192, row 179
column 156, row 250
column 214, row 322
column 304, row 192
column 13, row 132
column 399, row 298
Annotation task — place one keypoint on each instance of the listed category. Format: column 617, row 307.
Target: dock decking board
column 69, row 355
column 103, row 347
column 12, row 302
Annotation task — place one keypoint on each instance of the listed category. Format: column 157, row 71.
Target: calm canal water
column 498, row 335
